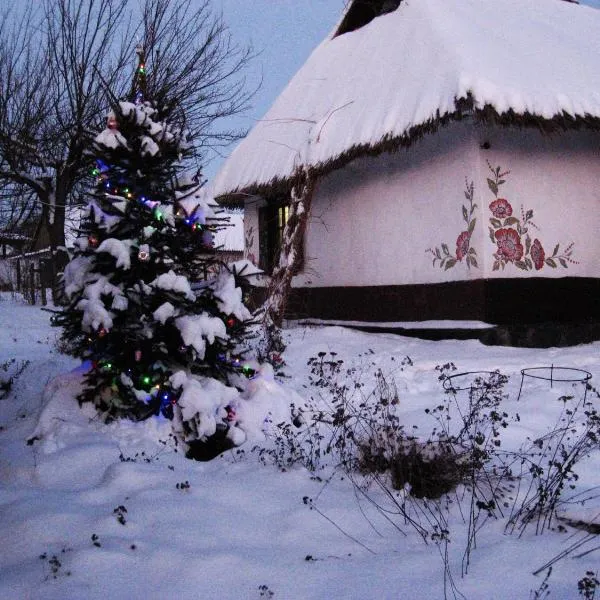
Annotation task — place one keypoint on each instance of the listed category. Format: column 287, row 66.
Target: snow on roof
column 407, row 69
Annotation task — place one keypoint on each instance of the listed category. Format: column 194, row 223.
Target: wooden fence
column 34, row 275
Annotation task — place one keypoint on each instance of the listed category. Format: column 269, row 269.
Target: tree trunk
column 289, row 263
column 56, row 227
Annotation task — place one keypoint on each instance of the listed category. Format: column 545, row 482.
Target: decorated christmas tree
column 158, row 319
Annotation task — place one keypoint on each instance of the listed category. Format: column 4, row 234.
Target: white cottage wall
column 373, row 221
column 377, row 223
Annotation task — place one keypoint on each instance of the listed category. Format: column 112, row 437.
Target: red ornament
column 230, row 322
column 111, row 122
column 231, row 414
column 102, row 332
column 138, row 355
column 93, row 241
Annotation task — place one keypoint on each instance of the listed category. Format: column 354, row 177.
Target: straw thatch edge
column 464, row 109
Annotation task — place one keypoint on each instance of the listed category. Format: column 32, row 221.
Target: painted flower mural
column 463, row 243
column 510, row 248
column 464, row 251
column 508, row 233
column 511, row 236
column 501, row 208
column 537, row 254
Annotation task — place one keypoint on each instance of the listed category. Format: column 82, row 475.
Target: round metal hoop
column 448, row 383
column 558, row 374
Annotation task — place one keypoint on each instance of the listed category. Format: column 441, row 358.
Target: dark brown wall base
column 536, row 312
column 498, row 301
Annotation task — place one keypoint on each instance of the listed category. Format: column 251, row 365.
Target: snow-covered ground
column 113, row 512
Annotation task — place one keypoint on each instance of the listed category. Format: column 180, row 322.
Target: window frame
column 272, row 219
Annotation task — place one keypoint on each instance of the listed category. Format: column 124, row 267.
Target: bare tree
column 52, row 98
column 63, row 62
column 194, row 62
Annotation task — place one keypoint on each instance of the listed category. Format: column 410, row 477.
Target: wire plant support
column 469, row 380
column 557, row 374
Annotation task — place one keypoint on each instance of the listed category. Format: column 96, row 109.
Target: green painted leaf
column 450, row 263
column 472, row 225
column 510, row 221
column 496, row 223
column 502, row 181
column 555, row 252
column 465, row 214
column 529, row 263
column 496, row 266
column 492, row 235
column 521, row 265
column 445, row 249
column 493, row 187
column 474, row 261
column 551, row 262
column 563, row 262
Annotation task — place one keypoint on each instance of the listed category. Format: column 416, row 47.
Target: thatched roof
column 409, row 71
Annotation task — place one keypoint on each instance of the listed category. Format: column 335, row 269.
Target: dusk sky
column 284, row 33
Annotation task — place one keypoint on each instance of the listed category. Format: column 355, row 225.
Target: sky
column 283, row 33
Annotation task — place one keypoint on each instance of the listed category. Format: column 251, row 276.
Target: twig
column 313, row 507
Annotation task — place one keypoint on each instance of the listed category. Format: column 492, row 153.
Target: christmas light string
column 100, row 172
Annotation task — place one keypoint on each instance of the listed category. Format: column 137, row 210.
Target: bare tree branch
column 62, row 63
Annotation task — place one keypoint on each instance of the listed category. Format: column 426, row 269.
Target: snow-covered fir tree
column 158, row 321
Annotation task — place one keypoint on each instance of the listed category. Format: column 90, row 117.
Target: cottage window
column 272, row 220
column 364, row 11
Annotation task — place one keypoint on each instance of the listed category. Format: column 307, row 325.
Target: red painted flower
column 537, row 254
column 509, row 244
column 462, row 245
column 501, row 208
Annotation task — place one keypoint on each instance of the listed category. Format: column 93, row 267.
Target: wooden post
column 18, row 275
column 32, row 282
column 43, row 290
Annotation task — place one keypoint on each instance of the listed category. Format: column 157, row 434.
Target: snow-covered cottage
column 454, row 147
